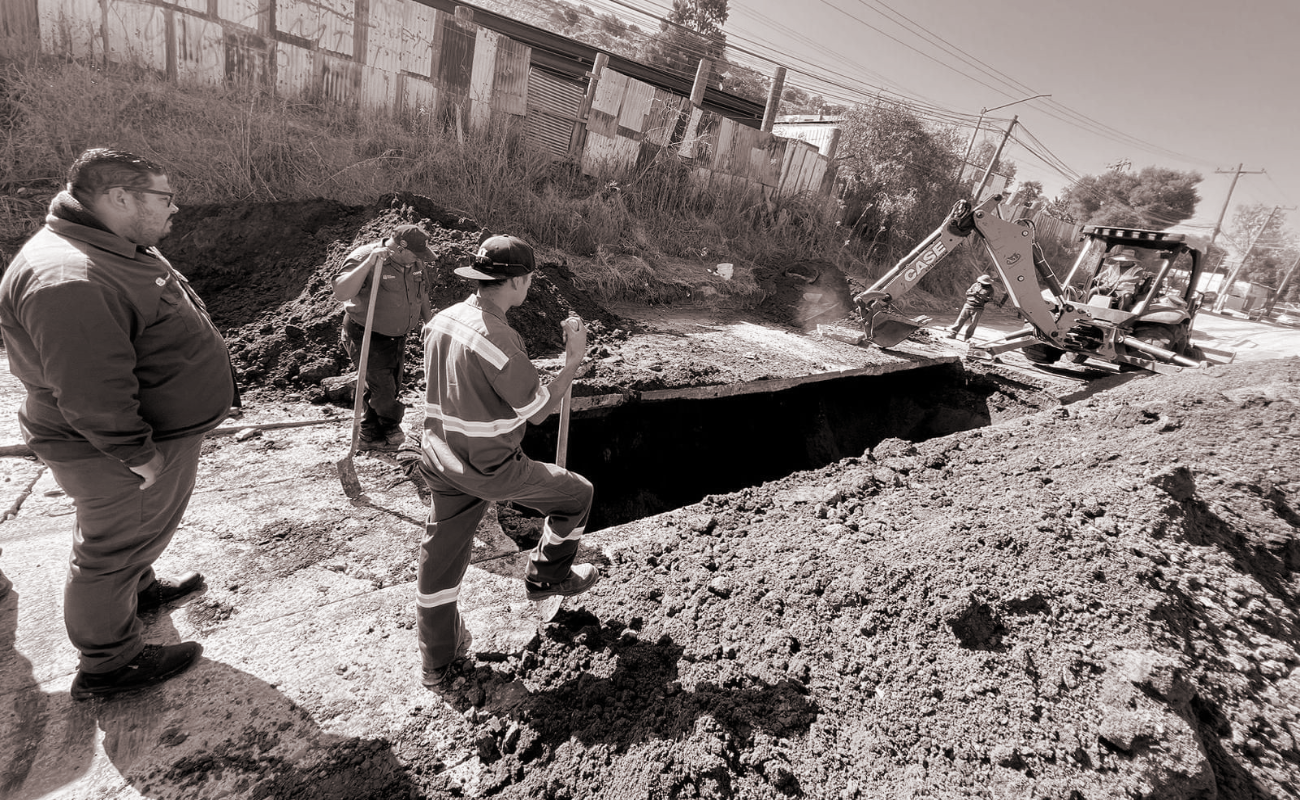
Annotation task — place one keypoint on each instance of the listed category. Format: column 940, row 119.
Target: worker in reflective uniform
column 482, row 391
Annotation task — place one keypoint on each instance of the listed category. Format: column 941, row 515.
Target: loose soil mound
column 265, row 272
column 1097, row 601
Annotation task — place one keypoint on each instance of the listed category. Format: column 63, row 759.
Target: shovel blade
column 549, row 607
column 348, row 477
column 887, row 330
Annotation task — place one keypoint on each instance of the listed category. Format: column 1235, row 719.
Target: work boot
column 155, row 664
column 381, row 444
column 164, row 590
column 396, row 437
column 442, row 677
column 581, row 578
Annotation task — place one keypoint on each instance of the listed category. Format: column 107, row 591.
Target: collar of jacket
column 69, row 218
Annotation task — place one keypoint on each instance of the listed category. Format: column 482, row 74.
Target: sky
column 1189, row 85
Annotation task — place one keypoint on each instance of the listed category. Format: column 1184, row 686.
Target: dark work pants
column 969, row 317
column 454, row 514
column 121, row 531
column 383, row 408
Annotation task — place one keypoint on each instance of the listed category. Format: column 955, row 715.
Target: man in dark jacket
column 124, row 373
column 401, row 306
column 977, row 296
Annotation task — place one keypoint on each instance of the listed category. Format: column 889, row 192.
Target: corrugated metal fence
column 406, row 57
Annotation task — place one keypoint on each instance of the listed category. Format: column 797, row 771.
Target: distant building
column 819, row 130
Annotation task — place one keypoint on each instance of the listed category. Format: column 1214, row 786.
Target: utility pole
column 984, row 181
column 1227, row 286
column 965, row 159
column 1281, row 287
column 1218, row 225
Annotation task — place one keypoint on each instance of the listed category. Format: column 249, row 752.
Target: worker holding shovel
column 482, row 391
column 401, row 306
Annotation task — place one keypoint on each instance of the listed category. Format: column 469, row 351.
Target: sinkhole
column 664, row 450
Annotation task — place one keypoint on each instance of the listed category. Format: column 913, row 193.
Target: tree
column 1263, row 264
column 1155, row 198
column 896, row 174
column 690, row 32
column 702, row 16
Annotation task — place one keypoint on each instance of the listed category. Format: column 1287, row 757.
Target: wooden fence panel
column 510, row 77
column 72, row 28
column 245, row 13
column 402, row 55
column 200, row 50
column 385, row 36
column 419, row 22
column 480, row 81
column 136, row 33
column 606, row 103
column 638, row 99
column 553, row 105
column 19, row 26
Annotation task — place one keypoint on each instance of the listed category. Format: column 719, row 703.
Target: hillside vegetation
column 235, row 146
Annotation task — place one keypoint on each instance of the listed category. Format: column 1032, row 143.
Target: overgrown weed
column 236, row 144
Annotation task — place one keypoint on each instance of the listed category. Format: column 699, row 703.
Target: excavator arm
column 1054, row 319
column 880, row 324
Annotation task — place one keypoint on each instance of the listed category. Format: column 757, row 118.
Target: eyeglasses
column 171, row 196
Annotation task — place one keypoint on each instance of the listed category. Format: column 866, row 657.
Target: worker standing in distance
column 124, row 373
column 977, row 296
column 401, row 307
column 482, row 391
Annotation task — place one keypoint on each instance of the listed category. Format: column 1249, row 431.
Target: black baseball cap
column 500, row 257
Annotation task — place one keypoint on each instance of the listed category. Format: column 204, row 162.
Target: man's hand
column 149, row 471
column 575, row 340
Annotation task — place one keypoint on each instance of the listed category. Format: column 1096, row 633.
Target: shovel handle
column 359, row 402
column 562, row 441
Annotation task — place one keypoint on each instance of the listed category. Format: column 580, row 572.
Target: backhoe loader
column 1148, row 326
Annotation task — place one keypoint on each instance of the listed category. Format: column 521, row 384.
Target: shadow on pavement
column 46, row 741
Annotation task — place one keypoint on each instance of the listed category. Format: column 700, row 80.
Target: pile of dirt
column 1096, row 601
column 265, row 272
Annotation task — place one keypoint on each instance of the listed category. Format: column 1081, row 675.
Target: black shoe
column 165, row 590
column 155, row 664
column 581, row 578
column 381, row 445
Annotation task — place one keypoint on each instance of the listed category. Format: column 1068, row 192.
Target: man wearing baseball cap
column 401, row 307
column 482, row 391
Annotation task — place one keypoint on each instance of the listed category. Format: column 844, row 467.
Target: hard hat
column 985, row 279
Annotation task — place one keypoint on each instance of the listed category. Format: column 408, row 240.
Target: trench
column 648, row 456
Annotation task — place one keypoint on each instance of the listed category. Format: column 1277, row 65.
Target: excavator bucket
column 886, row 330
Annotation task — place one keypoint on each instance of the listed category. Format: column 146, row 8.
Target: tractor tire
column 1158, row 335
column 1042, row 353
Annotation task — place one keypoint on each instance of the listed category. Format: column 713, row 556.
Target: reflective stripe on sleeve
column 475, row 430
column 463, row 334
column 543, row 397
column 437, row 598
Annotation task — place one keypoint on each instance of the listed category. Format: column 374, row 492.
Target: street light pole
column 978, row 125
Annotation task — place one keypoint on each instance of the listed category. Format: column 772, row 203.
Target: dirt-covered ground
column 1093, row 602
column 1096, row 600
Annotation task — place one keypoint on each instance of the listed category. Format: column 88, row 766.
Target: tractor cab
column 1126, row 273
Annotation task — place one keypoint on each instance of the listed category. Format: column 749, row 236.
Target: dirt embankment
column 1093, row 602
column 265, row 273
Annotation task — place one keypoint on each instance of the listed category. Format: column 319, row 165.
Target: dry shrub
column 238, row 144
